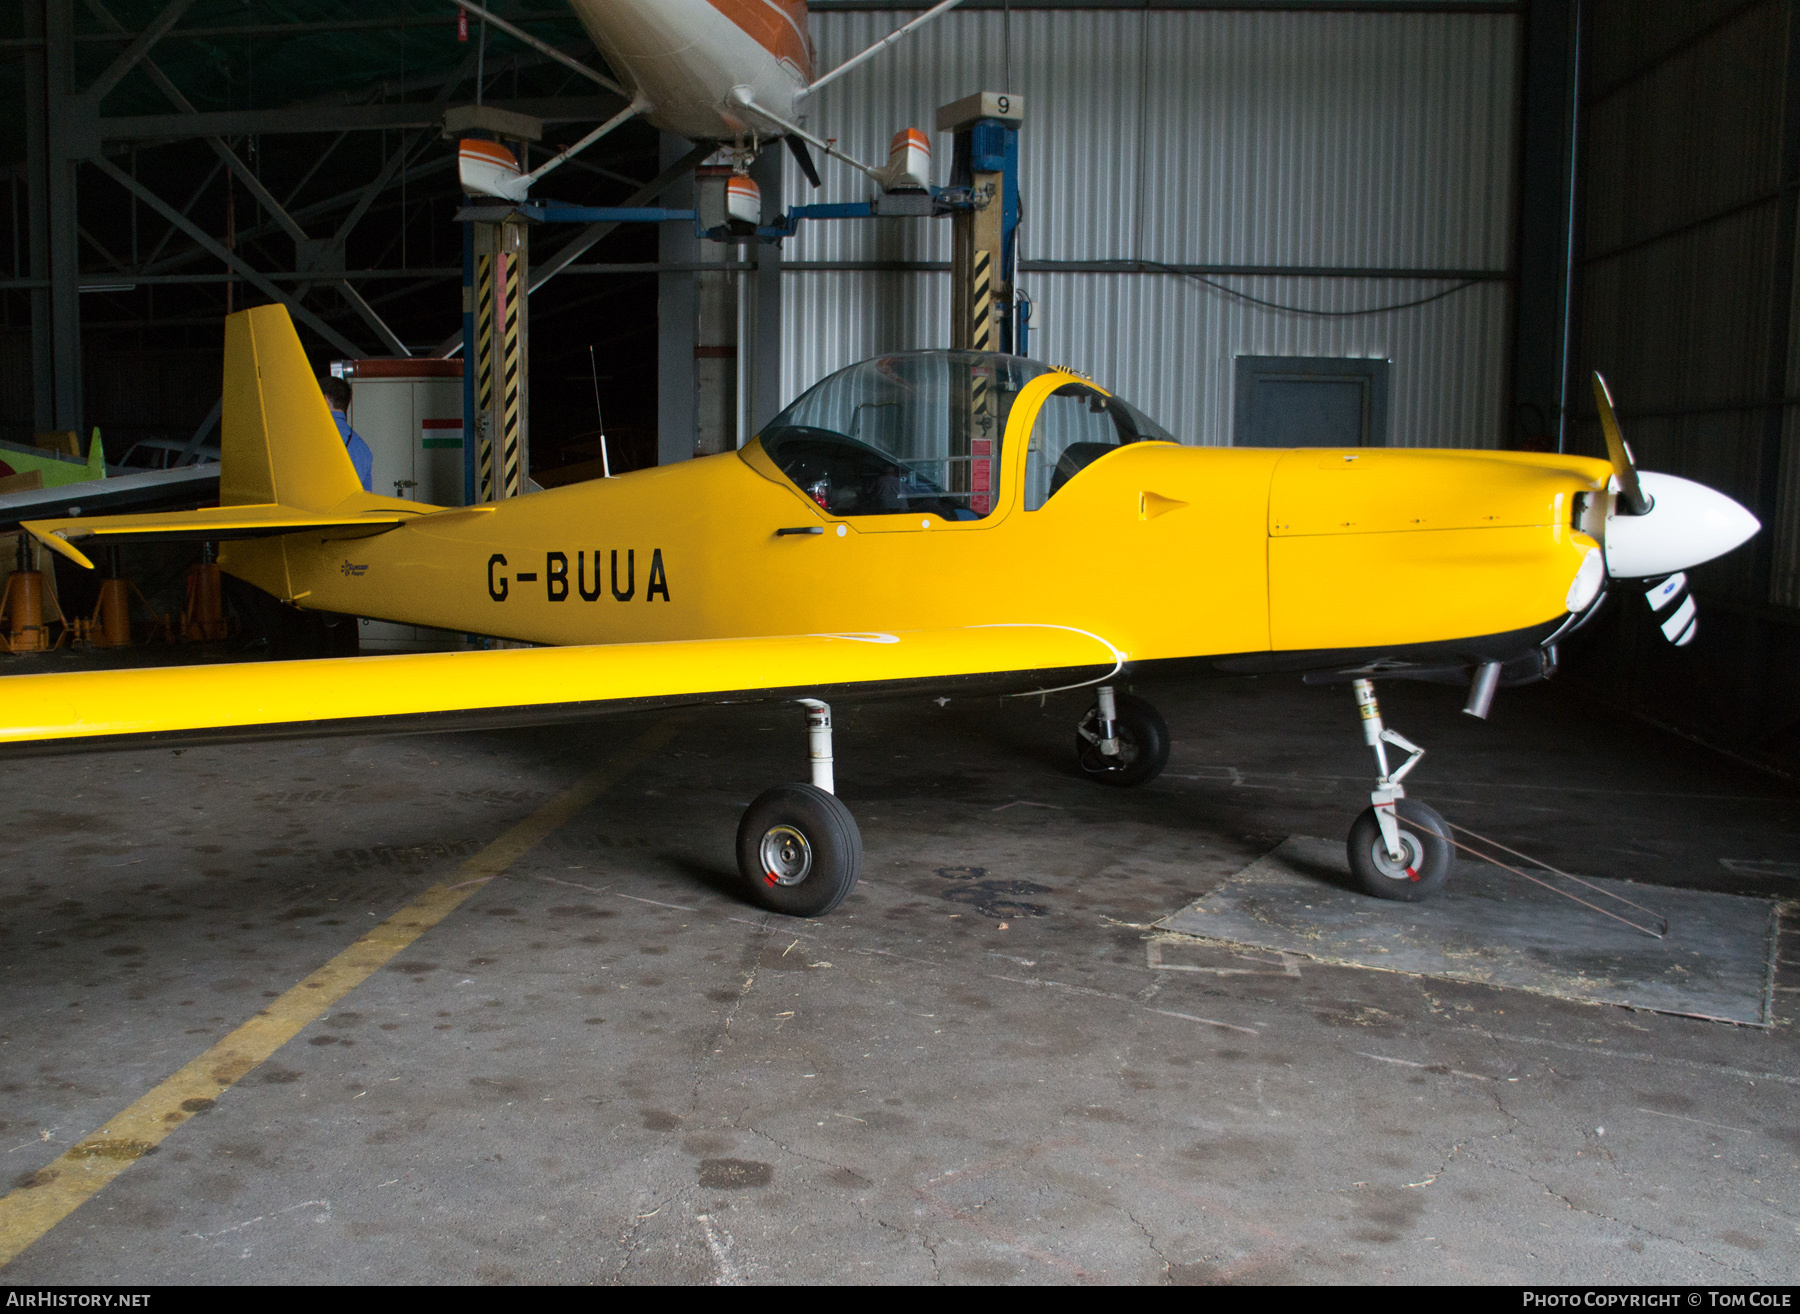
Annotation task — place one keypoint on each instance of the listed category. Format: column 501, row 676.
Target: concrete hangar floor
column 602, row 1065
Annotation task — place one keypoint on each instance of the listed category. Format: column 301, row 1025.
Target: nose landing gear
column 798, row 848
column 1399, row 848
column 1122, row 741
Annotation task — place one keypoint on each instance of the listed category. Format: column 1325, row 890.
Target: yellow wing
column 171, row 706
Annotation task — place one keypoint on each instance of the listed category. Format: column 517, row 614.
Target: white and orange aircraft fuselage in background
column 687, row 57
column 735, row 72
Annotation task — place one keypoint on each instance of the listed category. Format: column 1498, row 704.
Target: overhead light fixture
column 109, row 287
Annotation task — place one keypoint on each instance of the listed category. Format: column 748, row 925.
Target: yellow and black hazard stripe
column 981, row 303
column 484, row 377
column 511, row 378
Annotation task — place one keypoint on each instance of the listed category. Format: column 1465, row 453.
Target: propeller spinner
column 1655, row 527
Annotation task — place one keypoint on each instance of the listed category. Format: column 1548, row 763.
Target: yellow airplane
column 931, row 522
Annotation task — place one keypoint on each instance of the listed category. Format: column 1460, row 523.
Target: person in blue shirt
column 337, row 396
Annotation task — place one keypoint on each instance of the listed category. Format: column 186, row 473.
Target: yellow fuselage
column 1165, row 551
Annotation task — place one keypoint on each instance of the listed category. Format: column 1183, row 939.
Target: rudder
column 277, row 440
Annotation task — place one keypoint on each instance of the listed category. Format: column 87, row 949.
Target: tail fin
column 283, row 468
column 278, row 443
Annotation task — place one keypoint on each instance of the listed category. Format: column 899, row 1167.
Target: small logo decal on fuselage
column 616, row 578
column 354, row 570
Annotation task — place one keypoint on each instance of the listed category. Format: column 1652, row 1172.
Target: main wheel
column 1143, row 744
column 1425, row 850
column 799, row 850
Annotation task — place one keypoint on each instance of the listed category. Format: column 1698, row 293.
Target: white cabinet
column 409, row 412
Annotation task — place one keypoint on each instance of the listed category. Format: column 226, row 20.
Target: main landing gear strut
column 1399, row 848
column 798, row 847
column 1122, row 740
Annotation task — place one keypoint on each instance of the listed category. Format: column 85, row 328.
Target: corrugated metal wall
column 1319, row 140
column 1681, row 163
column 1687, row 304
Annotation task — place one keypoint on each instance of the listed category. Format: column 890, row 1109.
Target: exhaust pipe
column 1481, row 690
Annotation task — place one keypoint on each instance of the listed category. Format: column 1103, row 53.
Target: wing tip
column 52, row 538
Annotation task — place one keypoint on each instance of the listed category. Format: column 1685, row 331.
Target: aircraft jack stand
column 204, row 619
column 22, row 607
column 110, row 625
column 1399, row 848
column 798, row 848
column 23, row 626
column 1122, row 741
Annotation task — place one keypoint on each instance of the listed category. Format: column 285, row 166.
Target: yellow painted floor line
column 58, row 1190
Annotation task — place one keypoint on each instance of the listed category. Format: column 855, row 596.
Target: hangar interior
column 1034, row 1044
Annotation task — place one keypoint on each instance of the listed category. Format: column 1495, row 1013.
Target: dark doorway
column 1310, row 401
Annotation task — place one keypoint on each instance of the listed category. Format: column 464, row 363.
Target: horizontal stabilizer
column 89, row 710
column 213, row 525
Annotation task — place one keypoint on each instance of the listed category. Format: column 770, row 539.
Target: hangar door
column 1310, row 401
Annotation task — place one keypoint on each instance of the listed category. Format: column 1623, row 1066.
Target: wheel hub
column 1412, row 858
column 1128, row 746
column 786, row 856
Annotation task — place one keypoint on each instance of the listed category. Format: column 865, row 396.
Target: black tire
column 1425, row 839
column 1143, row 745
column 799, row 850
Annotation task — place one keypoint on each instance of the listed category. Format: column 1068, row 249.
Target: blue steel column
column 765, row 336
column 37, row 208
column 677, row 320
column 984, row 175
column 1009, row 232
column 65, row 264
column 1543, row 232
column 985, row 162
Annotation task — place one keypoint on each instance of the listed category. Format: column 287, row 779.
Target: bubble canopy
column 917, row 432
column 920, row 433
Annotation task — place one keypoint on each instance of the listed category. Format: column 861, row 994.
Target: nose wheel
column 1399, row 848
column 1423, row 866
column 1122, row 741
column 798, row 847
